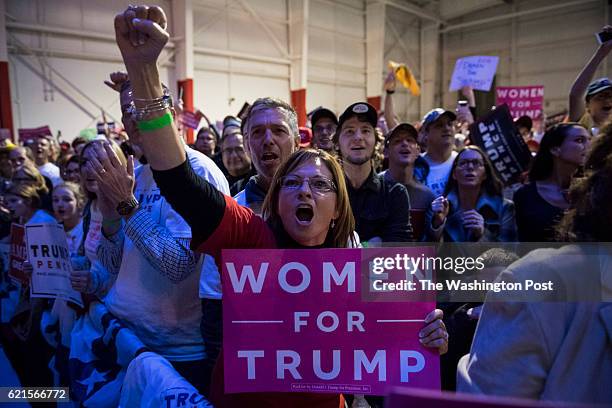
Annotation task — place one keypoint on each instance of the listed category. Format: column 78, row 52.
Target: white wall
column 336, row 54
column 546, row 49
column 405, row 50
column 236, row 60
column 83, row 63
column 222, row 84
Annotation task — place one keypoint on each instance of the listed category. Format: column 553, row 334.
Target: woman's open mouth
column 304, row 214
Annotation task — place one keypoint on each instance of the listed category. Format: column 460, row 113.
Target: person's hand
column 434, row 334
column 117, row 79
column 27, row 269
column 440, row 208
column 390, row 82
column 606, row 46
column 115, row 182
column 464, row 115
column 140, row 32
column 106, row 207
column 468, row 92
column 80, row 280
column 474, row 223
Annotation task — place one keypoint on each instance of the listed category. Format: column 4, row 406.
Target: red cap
column 305, row 136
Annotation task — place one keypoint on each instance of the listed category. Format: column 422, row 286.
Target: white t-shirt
column 164, row 315
column 439, row 173
column 74, row 238
column 52, row 172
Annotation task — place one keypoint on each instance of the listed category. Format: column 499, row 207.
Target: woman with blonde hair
column 307, row 205
column 29, row 174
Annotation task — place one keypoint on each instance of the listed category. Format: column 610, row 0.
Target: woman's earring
column 333, row 224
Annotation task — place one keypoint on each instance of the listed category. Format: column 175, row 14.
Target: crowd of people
column 146, row 217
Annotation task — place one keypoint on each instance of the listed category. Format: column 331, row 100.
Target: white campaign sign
column 477, row 72
column 50, row 258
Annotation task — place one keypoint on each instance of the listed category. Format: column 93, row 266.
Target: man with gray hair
column 271, row 133
column 271, row 136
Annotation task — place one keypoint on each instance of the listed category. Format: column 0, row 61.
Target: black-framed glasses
column 317, row 184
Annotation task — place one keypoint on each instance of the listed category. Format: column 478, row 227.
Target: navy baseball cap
column 407, row 127
column 598, row 86
column 435, row 114
column 359, row 108
column 322, row 113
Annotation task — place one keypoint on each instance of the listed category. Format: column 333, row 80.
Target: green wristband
column 155, row 124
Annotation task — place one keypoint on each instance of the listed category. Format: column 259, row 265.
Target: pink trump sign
column 522, row 100
column 305, row 321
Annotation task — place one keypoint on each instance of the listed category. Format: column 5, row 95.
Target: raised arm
column 579, row 88
column 141, row 35
column 390, row 85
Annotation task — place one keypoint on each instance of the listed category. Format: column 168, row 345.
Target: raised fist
column 140, row 32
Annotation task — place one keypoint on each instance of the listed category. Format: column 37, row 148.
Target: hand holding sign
column 435, row 335
column 477, row 72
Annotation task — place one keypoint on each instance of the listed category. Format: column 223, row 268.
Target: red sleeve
column 240, row 228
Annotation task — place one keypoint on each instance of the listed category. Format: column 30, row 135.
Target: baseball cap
column 524, row 121
column 229, row 121
column 305, row 136
column 597, row 86
column 322, row 113
column 436, row 113
column 407, row 127
column 359, row 108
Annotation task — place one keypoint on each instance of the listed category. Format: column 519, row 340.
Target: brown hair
column 491, row 183
column 344, row 227
column 601, row 147
column 30, row 171
column 378, row 154
column 589, row 218
column 27, row 192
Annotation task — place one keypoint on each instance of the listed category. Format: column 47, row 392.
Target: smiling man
column 381, row 207
column 324, row 125
column 271, row 134
column 42, row 157
column 438, row 134
column 402, row 148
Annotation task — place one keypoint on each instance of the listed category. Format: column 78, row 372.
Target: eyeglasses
column 229, row 150
column 318, row 184
column 476, row 163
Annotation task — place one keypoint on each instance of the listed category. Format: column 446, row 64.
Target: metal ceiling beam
column 516, row 14
column 417, row 11
column 265, row 27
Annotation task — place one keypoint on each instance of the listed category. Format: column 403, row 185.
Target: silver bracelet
column 150, row 106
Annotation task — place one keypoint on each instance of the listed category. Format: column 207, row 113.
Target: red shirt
column 240, row 228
